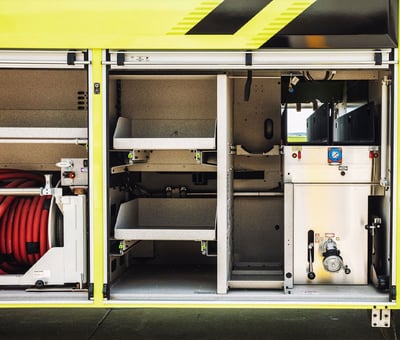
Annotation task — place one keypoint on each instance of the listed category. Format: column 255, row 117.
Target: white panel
column 336, row 211
column 395, row 180
column 288, row 237
column 74, row 211
column 309, row 164
column 224, row 183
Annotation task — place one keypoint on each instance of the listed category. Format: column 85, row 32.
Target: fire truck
column 200, row 153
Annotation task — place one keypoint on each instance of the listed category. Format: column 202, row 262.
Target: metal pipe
column 46, row 62
column 81, row 141
column 278, row 59
column 316, row 66
column 384, row 130
column 258, row 194
column 20, row 191
column 241, row 194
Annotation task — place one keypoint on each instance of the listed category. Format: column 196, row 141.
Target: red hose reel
column 23, row 223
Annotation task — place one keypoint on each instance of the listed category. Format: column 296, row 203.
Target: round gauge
column 334, row 155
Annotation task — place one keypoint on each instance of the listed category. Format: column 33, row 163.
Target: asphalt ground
column 206, row 324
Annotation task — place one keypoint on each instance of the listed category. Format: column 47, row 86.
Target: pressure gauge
column 335, row 155
column 332, row 261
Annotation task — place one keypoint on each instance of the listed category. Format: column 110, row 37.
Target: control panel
column 74, row 171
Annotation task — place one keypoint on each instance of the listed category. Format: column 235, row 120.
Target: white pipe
column 384, row 130
column 41, row 62
column 77, row 141
column 240, row 194
column 20, row 191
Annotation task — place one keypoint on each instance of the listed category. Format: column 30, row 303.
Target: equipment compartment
column 163, row 193
column 166, row 112
column 287, row 204
column 44, row 136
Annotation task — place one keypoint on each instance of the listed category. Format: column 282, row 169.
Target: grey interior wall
column 169, row 98
column 42, row 98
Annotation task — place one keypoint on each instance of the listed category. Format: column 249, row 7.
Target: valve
column 332, row 260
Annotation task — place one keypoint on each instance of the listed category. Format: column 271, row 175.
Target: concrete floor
column 205, row 324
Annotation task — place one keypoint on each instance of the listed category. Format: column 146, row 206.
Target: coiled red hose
column 23, row 223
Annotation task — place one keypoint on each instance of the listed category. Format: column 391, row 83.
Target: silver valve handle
column 47, row 190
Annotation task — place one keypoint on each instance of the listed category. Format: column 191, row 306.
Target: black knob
column 311, row 275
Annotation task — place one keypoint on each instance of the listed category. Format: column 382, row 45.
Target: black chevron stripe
column 229, row 17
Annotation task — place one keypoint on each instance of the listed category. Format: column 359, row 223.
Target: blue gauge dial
column 335, row 155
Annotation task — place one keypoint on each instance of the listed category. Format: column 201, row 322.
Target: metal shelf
column 43, row 126
column 43, row 135
column 165, row 134
column 183, row 219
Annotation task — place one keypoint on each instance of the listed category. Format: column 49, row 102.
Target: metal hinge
column 378, row 57
column 380, row 317
column 393, row 293
column 91, row 291
column 120, row 58
column 71, row 58
column 106, row 291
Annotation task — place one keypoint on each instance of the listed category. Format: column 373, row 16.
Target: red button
column 373, row 154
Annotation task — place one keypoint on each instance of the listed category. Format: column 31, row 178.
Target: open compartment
column 258, row 205
column 36, row 105
column 44, row 180
column 332, row 186
column 163, row 205
column 257, row 259
column 291, row 204
column 166, row 112
column 152, row 270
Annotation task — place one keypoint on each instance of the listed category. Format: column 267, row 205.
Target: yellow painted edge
column 158, row 305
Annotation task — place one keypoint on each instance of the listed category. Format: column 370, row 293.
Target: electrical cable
column 23, row 223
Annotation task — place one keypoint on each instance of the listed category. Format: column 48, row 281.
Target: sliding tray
column 164, row 134
column 43, row 126
column 184, row 219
